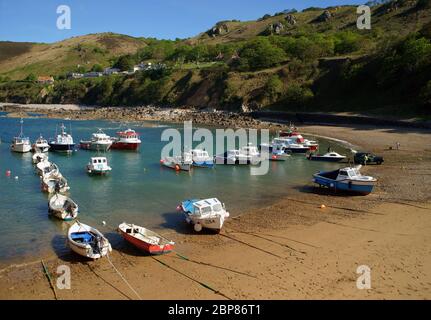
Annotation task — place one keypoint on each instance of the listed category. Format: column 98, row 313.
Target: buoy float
column 8, row 173
column 16, row 178
column 162, row 161
column 177, row 167
column 322, row 206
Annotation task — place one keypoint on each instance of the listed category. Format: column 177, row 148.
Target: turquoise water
column 138, row 190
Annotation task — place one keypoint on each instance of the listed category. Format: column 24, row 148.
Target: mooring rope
column 123, row 278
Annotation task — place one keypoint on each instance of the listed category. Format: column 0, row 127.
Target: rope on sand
column 122, row 277
column 45, row 270
column 190, row 278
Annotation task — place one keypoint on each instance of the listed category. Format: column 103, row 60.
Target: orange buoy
column 322, row 206
column 177, row 167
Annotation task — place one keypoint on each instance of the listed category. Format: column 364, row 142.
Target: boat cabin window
column 217, row 207
column 205, row 210
column 343, row 173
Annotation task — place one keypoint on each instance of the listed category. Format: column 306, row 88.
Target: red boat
column 144, row 239
column 126, row 140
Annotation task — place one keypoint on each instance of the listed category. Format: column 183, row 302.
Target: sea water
column 138, row 190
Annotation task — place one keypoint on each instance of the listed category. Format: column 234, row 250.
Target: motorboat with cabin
column 328, row 157
column 201, row 158
column 39, row 157
column 208, row 213
column 98, row 166
column 178, row 163
column 346, row 180
column 100, row 141
column 126, row 140
column 63, row 141
column 41, row 145
column 21, row 143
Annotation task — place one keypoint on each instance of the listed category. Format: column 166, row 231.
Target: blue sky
column 35, row 20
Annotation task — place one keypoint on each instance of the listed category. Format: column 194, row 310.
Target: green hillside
column 314, row 60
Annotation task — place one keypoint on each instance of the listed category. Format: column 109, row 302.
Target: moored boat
column 39, row 157
column 99, row 142
column 291, row 145
column 21, row 144
column 201, row 158
column 126, row 140
column 328, row 157
column 144, row 239
column 63, row 142
column 292, row 133
column 88, row 241
column 347, row 180
column 178, row 163
column 46, row 168
column 98, row 166
column 63, row 207
column 40, row 145
column 208, row 213
column 54, row 183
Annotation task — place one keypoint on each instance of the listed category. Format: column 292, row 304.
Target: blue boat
column 201, row 159
column 346, row 180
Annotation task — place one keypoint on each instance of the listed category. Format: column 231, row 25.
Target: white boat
column 21, row 144
column 328, row 157
column 63, row 207
column 291, row 145
column 46, row 168
column 98, row 166
column 99, row 142
column 244, row 156
column 208, row 213
column 88, row 241
column 249, row 153
column 39, row 157
column 178, row 163
column 274, row 152
column 41, row 145
column 55, row 184
column 201, row 158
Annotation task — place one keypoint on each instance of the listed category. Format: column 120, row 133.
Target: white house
column 74, row 75
column 93, row 74
column 109, row 71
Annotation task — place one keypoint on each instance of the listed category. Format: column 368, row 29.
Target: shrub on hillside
column 260, row 54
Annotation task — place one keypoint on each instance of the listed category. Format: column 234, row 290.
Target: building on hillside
column 74, row 75
column 93, row 74
column 109, row 71
column 45, row 79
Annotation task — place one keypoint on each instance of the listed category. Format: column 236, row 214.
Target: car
column 370, row 158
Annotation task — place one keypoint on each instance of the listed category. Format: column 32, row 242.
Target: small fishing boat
column 126, row 140
column 250, row 153
column 98, row 166
column 55, row 184
column 347, row 180
column 244, row 156
column 41, row 145
column 291, row 145
column 39, row 157
column 201, row 158
column 46, row 169
column 88, row 241
column 178, row 163
column 208, row 213
column 63, row 142
column 99, row 142
column 21, row 144
column 274, row 152
column 328, row 157
column 63, row 207
column 144, row 239
column 299, row 139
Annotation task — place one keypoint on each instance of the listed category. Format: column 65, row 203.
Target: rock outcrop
column 218, row 30
column 290, row 19
column 325, row 16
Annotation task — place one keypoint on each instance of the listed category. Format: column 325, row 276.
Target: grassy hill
column 17, row 60
column 314, row 60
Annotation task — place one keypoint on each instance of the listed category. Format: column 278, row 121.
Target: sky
column 36, row 20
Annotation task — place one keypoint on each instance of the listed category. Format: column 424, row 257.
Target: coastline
column 297, row 251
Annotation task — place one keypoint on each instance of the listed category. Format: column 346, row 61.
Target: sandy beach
column 292, row 249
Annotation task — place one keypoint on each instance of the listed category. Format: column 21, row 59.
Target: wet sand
column 292, row 249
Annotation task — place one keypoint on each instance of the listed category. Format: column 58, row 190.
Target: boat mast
column 21, row 133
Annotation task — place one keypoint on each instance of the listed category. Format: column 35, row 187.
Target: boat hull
column 94, row 146
column 61, row 147
column 125, row 146
column 299, row 150
column 147, row 247
column 349, row 186
column 21, row 148
column 326, row 159
column 203, row 164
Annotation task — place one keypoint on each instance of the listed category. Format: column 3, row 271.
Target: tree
column 274, row 88
column 97, row 68
column 124, row 63
column 260, row 54
column 31, row 78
